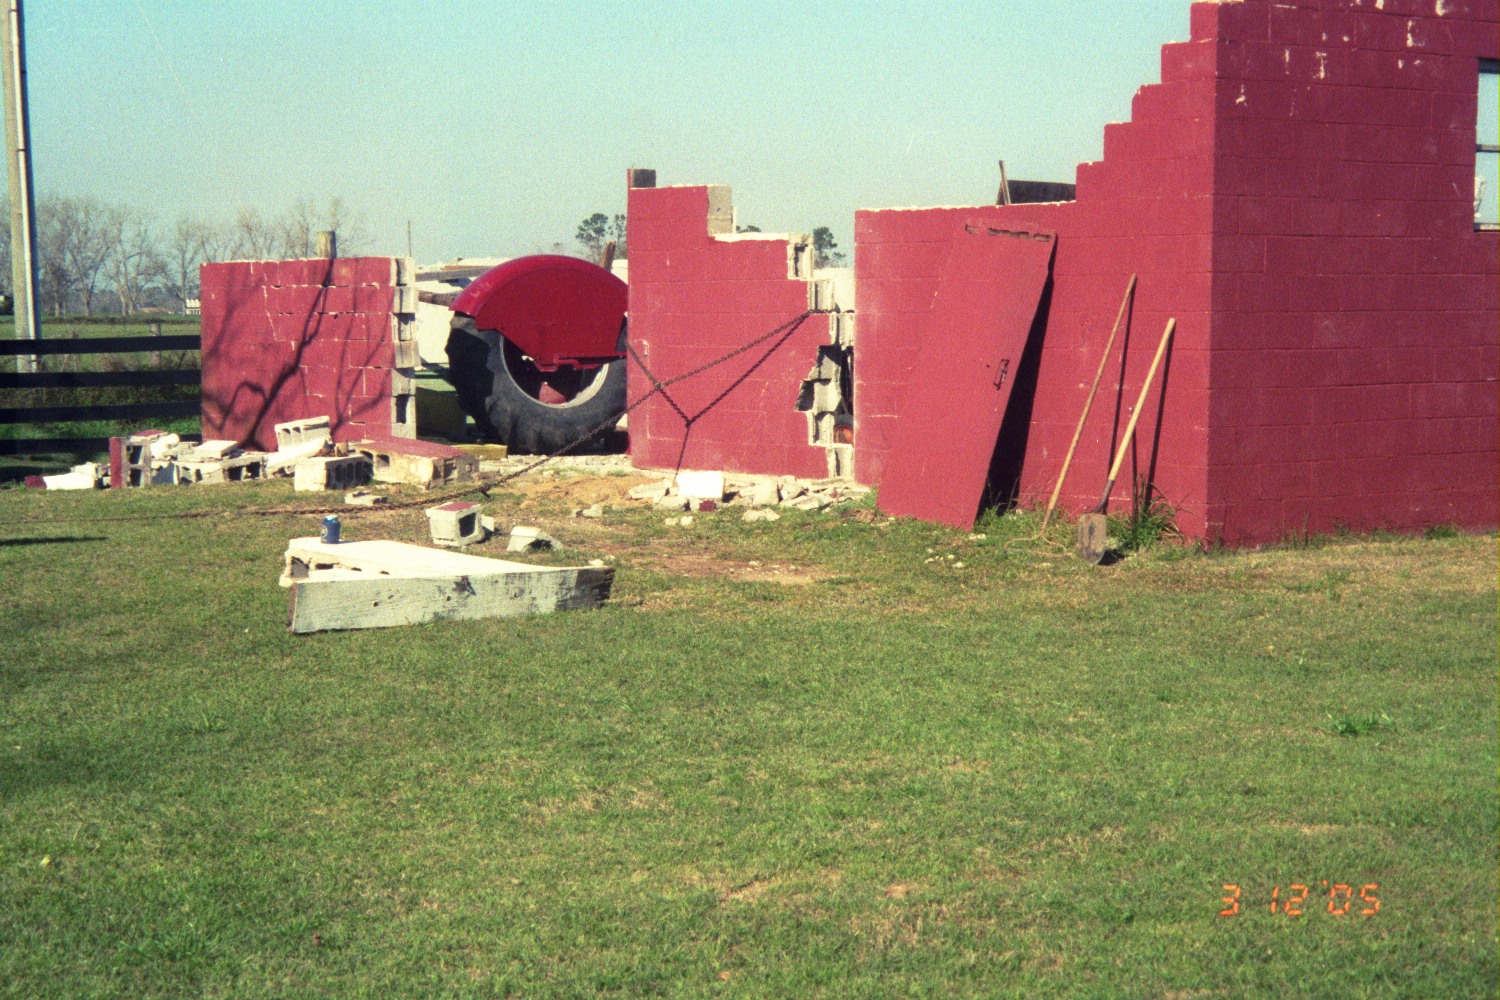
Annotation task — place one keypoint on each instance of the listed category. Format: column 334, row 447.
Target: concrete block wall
column 697, row 291
column 286, row 340
column 1145, row 209
column 1297, row 191
column 1356, row 336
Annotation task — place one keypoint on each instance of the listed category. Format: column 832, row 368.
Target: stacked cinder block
column 697, row 291
column 286, row 340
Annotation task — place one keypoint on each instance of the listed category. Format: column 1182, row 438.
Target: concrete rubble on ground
column 305, row 451
column 524, row 539
column 703, row 492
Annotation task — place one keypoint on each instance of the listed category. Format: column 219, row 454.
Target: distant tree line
column 96, row 257
column 599, row 229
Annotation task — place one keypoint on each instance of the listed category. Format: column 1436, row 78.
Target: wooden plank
column 394, row 559
column 103, row 345
column 949, row 419
column 382, row 584
column 112, row 411
column 98, row 380
column 53, row 446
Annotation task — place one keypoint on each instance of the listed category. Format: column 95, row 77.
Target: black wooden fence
column 91, row 380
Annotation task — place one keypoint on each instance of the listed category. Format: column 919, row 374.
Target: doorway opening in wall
column 1487, row 149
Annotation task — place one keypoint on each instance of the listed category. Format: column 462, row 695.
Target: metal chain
column 483, row 487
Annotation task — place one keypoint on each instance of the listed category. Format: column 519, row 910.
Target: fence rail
column 153, row 345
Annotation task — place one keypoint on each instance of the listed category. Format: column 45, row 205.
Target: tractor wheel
column 530, row 410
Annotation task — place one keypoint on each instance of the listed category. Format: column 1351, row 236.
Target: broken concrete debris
column 87, row 476
column 525, row 539
column 703, row 493
column 379, row 584
column 298, row 432
column 305, row 451
column 649, row 491
column 415, row 462
column 364, row 498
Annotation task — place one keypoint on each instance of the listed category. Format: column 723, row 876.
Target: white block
column 456, row 523
column 332, row 472
column 159, row 446
column 288, row 458
column 296, row 432
column 700, row 485
column 68, row 481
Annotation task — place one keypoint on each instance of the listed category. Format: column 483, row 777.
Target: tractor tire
column 531, row 411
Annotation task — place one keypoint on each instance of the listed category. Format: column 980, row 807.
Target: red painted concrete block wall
column 695, row 295
column 1356, row 314
column 286, row 340
column 1297, row 192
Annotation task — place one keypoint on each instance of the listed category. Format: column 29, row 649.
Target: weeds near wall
column 1152, row 520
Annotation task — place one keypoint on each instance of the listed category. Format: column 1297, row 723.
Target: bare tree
column 298, row 229
column 219, row 240
column 134, row 255
column 255, row 237
column 185, row 249
column 53, row 223
column 86, row 246
column 295, row 232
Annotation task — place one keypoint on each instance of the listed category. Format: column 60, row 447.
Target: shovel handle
column 1135, row 415
column 1088, row 404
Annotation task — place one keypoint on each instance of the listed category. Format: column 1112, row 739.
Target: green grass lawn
column 809, row 758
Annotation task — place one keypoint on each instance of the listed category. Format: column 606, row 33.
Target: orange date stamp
column 1342, row 901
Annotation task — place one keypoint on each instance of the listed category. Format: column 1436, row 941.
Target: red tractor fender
column 559, row 310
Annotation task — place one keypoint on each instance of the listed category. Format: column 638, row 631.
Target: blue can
column 331, row 529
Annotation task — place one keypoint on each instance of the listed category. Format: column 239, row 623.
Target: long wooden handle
column 1088, row 404
column 1114, row 469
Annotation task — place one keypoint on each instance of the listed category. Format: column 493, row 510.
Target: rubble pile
column 701, row 492
column 305, row 452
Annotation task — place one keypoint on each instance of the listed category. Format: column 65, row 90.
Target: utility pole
column 22, row 205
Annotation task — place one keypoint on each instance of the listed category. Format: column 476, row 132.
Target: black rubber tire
column 489, row 391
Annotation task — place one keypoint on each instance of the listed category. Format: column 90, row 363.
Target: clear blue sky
column 495, row 127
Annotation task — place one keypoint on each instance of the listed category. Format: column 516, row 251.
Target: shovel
column 1093, row 527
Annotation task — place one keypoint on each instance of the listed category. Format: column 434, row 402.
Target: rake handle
column 1135, row 415
column 1088, row 404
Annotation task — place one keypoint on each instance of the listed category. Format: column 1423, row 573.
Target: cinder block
column 332, row 472
column 455, row 524
column 297, row 432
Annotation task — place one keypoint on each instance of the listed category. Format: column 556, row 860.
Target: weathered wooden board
column 380, row 584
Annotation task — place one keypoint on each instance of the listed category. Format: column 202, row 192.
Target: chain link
column 484, row 486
